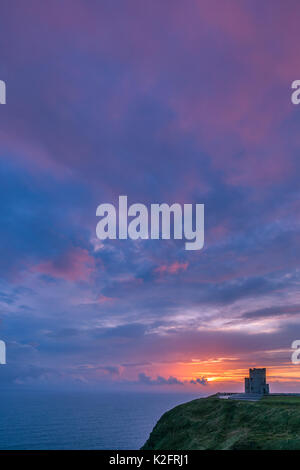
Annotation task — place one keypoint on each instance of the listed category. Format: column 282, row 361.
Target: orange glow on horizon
column 219, row 371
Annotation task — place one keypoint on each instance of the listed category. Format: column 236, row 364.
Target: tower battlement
column 256, row 382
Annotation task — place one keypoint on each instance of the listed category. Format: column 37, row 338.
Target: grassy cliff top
column 213, row 423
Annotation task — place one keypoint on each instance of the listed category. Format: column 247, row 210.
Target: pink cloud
column 173, row 268
column 102, row 299
column 76, row 265
column 228, row 105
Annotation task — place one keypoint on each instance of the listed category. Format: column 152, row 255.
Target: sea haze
column 81, row 420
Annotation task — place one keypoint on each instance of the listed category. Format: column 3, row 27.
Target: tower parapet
column 256, row 382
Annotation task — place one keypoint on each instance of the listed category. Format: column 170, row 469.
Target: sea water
column 81, row 420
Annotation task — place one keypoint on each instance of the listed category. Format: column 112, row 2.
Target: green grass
column 211, row 423
column 281, row 399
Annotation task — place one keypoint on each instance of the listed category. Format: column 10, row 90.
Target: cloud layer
column 163, row 102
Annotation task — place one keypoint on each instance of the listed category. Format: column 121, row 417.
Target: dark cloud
column 136, row 364
column 23, row 374
column 146, row 380
column 200, row 381
column 279, row 311
column 112, row 370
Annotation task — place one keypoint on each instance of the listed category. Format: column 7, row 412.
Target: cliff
column 212, row 423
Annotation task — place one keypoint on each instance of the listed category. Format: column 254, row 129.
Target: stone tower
column 256, row 382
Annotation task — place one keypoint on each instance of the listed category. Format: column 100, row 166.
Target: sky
column 172, row 101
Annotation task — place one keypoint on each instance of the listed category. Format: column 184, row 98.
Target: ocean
column 39, row 420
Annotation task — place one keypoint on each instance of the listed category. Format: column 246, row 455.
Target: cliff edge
column 213, row 423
